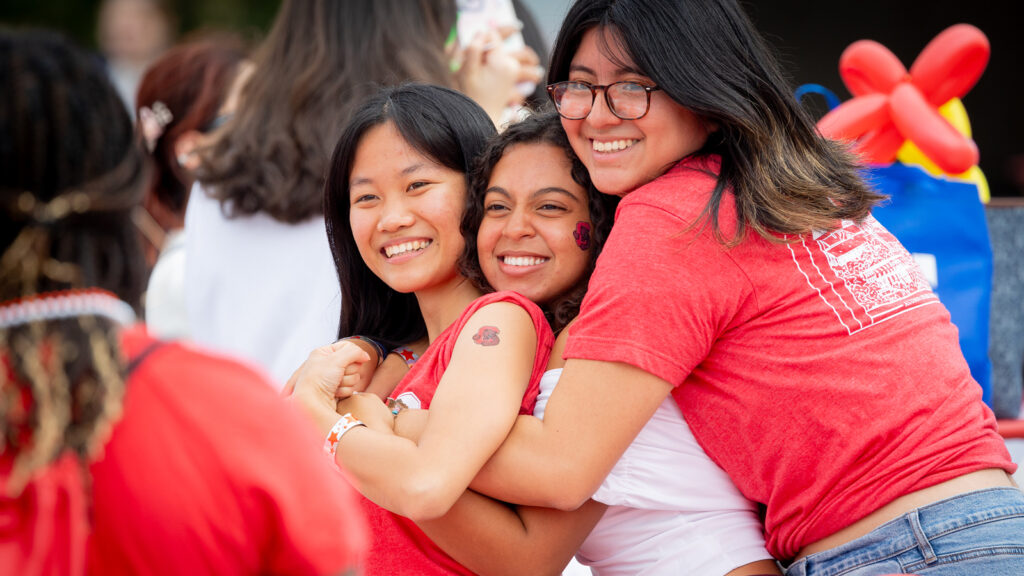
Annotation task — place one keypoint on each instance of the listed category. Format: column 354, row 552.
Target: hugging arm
column 489, row 537
column 466, row 422
column 492, row 538
column 593, row 415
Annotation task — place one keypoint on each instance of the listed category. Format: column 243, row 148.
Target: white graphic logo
column 862, row 273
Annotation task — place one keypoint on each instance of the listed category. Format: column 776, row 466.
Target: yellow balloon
column 975, row 175
column 955, row 113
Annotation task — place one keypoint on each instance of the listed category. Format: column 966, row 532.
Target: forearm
column 389, row 470
column 396, row 474
column 492, row 538
column 589, row 422
column 513, row 472
column 521, row 468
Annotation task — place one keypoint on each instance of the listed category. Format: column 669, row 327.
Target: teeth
column 523, row 260
column 613, row 146
column 399, row 249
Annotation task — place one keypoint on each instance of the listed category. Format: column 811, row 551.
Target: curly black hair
column 540, row 128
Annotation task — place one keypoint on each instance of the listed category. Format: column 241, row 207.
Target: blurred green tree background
column 77, row 18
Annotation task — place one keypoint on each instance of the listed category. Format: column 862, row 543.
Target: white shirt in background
column 258, row 289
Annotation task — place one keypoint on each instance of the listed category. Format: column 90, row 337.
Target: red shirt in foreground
column 210, row 472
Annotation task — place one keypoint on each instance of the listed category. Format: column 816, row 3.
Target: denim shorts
column 975, row 533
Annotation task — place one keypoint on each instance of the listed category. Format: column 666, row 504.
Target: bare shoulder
column 497, row 322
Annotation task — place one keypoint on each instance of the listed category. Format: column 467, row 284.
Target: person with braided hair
column 118, row 453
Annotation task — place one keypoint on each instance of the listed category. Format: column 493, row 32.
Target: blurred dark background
column 809, row 36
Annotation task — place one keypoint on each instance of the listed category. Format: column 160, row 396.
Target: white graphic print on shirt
column 862, row 273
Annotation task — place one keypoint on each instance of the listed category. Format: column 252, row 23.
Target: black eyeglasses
column 626, row 100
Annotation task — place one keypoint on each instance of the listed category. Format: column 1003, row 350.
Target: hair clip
column 152, row 123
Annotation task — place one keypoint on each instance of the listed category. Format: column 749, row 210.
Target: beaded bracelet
column 343, row 425
column 381, row 350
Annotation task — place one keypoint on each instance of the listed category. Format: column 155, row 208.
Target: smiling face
column 405, row 212
column 622, row 155
column 535, row 234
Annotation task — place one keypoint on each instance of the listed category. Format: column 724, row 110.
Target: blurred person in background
column 122, row 454
column 180, row 101
column 260, row 280
column 132, row 34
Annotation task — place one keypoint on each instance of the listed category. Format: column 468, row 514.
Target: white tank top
column 671, row 509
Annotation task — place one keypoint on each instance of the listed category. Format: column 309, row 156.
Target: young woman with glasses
column 745, row 278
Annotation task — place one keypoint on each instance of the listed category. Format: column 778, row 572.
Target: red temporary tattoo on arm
column 487, row 336
column 582, row 235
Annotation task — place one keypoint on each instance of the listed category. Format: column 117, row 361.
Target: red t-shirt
column 822, row 375
column 399, row 546
column 43, row 530
column 210, row 472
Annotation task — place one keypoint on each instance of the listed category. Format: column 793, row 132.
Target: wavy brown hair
column 321, row 59
column 70, row 174
column 541, row 128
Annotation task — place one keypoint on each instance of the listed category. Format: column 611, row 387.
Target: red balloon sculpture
column 891, row 105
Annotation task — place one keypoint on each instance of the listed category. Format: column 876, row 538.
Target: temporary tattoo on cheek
column 487, row 336
column 582, row 235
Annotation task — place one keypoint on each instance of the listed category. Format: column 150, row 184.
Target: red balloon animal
column 891, row 105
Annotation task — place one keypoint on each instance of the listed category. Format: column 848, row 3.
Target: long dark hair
column 541, row 128
column 320, row 60
column 707, row 56
column 70, row 175
column 440, row 123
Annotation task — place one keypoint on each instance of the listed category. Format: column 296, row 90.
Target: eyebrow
column 620, row 70
column 536, row 194
column 411, row 169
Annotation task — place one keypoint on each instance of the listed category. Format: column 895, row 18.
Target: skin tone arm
column 466, row 422
column 328, row 365
column 593, row 415
column 489, row 537
column 494, row 539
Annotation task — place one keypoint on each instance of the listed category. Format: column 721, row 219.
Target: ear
column 185, row 149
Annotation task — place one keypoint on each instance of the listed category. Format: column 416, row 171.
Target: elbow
column 426, row 510
column 569, row 500
column 570, row 489
column 424, row 498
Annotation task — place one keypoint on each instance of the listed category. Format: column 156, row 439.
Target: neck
column 442, row 305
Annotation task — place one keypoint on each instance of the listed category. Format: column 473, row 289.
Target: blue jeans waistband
column 916, row 528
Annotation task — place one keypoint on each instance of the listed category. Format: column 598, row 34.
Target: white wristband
column 344, row 424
